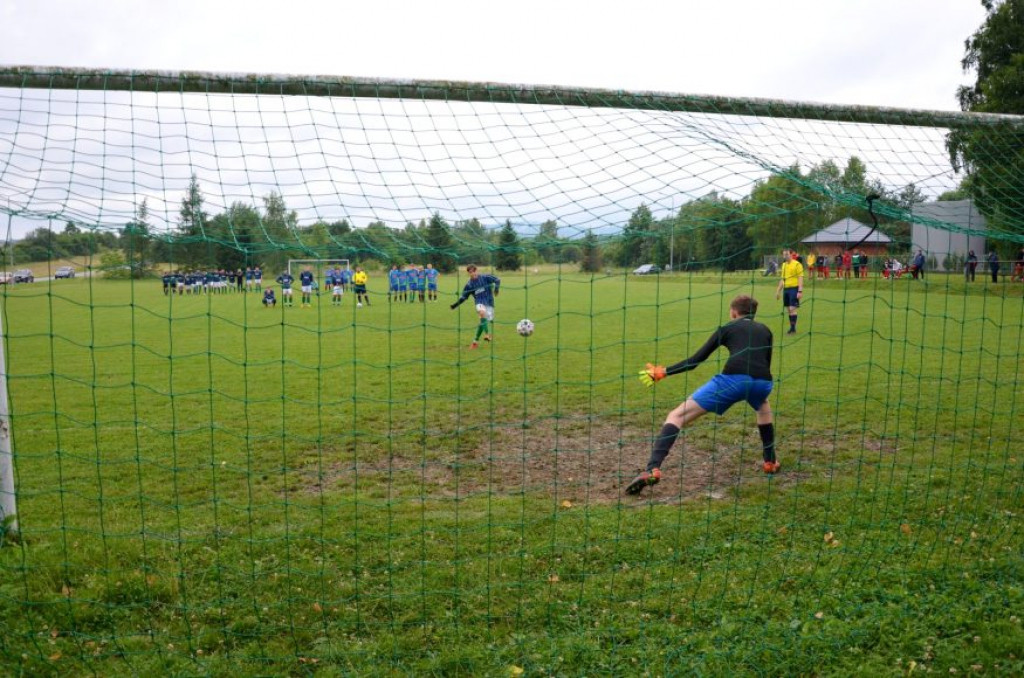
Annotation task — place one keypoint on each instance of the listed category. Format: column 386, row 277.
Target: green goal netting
column 196, row 482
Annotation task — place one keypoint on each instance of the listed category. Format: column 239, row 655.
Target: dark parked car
column 64, row 272
column 647, row 269
column 24, row 275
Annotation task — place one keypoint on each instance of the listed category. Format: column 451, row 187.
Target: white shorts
column 286, row 291
column 307, row 289
column 338, row 291
column 485, row 311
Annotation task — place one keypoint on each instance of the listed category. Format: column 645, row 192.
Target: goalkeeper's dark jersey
column 750, row 350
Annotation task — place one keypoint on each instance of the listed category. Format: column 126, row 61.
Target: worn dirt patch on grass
column 578, row 460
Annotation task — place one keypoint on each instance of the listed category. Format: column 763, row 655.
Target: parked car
column 24, row 276
column 6, row 277
column 647, row 269
column 64, row 272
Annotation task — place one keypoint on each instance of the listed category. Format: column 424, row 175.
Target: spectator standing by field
column 993, row 265
column 917, row 265
column 970, row 266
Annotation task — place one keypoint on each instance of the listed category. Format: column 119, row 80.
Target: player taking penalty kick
column 483, row 288
column 746, row 377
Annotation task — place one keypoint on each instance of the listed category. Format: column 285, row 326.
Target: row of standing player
column 212, row 281
column 336, row 280
column 404, row 284
column 418, row 280
column 412, row 283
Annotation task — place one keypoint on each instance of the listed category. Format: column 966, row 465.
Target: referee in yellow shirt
column 359, row 283
column 791, row 288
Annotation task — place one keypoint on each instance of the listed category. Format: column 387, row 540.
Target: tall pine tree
column 509, row 256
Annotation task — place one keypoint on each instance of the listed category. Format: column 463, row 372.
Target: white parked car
column 647, row 269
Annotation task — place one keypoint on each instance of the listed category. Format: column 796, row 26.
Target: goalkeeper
column 746, row 377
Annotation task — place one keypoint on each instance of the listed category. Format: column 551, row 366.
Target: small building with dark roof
column 843, row 235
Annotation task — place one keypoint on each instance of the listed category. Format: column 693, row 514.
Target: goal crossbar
column 155, row 81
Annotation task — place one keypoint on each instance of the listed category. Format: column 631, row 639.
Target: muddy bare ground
column 582, row 462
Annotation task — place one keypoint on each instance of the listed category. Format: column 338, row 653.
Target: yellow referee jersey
column 791, row 272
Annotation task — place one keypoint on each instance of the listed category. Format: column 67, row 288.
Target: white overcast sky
column 901, row 53
column 894, row 53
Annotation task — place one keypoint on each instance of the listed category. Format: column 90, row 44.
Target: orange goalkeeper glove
column 651, row 374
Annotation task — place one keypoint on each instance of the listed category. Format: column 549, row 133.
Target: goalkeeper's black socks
column 792, row 323
column 767, row 432
column 663, row 443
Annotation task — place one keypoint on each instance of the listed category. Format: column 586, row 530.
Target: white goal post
column 317, row 265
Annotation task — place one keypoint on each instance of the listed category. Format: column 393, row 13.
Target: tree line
column 713, row 231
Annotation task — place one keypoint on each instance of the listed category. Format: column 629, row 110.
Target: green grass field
column 206, row 486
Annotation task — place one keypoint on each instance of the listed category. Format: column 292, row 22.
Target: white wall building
column 963, row 230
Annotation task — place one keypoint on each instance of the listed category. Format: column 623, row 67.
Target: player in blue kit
column 306, row 281
column 394, row 276
column 285, row 280
column 421, row 283
column 402, row 279
column 411, row 281
column 432, row 274
column 483, row 288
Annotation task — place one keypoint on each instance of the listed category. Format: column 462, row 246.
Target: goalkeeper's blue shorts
column 725, row 390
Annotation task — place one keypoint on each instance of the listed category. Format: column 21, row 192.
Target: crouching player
column 269, row 300
column 745, row 377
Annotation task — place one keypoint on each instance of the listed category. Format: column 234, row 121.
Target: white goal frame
column 318, row 264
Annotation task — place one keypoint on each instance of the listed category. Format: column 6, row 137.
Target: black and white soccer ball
column 524, row 327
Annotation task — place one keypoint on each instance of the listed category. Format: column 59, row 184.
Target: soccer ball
column 359, row 304
column 525, row 327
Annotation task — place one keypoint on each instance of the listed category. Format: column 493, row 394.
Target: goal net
column 209, row 484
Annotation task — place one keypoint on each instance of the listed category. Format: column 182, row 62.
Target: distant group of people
column 854, row 264
column 413, row 283
column 336, row 280
column 212, row 281
column 893, row 268
column 409, row 282
column 994, row 266
column 847, row 264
